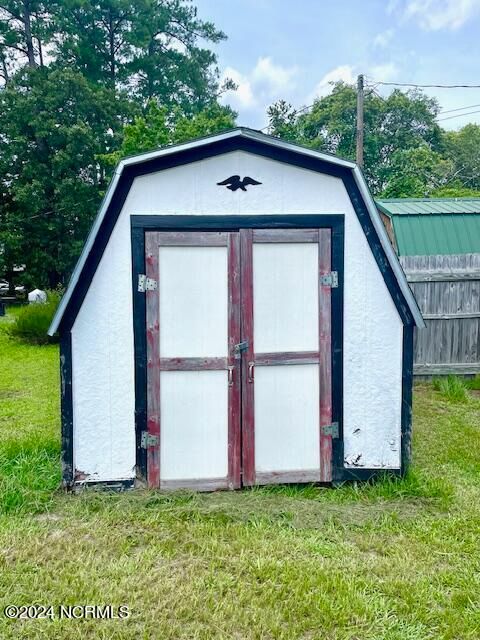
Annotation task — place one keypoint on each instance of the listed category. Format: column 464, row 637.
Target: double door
column 238, row 358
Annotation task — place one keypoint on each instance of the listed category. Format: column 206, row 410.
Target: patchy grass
column 452, row 388
column 393, row 560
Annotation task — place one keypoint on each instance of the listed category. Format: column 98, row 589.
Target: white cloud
column 324, row 87
column 433, row 15
column 264, row 84
column 381, row 40
column 273, row 76
column 383, row 72
column 242, row 97
column 348, row 74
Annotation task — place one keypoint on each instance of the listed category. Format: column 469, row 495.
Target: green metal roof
column 437, row 233
column 398, row 206
column 434, row 226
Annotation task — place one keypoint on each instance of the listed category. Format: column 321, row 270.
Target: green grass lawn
column 392, row 560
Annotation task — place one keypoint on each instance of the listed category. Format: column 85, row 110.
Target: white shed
column 237, row 317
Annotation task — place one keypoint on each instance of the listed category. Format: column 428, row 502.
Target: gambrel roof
column 239, row 139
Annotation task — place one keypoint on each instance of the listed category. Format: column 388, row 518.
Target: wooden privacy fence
column 447, row 289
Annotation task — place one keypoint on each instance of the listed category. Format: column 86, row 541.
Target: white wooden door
column 287, row 369
column 193, row 377
column 239, row 358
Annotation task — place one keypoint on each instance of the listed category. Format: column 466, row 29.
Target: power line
column 470, row 106
column 427, row 86
column 458, row 115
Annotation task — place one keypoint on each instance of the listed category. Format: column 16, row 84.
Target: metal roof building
column 433, row 226
column 438, row 243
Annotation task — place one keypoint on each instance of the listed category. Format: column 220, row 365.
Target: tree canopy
column 84, row 83
column 406, row 152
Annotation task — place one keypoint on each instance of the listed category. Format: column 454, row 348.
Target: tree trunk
column 5, row 74
column 111, row 44
column 28, row 34
column 40, row 51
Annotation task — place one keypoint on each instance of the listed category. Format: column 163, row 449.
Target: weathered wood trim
column 285, row 235
column 443, row 369
column 193, row 239
column 234, row 364
column 287, row 357
column 460, row 315
column 196, row 484
column 193, row 364
column 441, row 276
column 153, row 359
column 325, row 348
column 116, row 486
column 288, row 477
column 66, row 408
column 248, row 391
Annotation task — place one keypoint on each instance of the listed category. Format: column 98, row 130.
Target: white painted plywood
column 194, row 425
column 193, row 292
column 102, row 337
column 285, row 297
column 287, row 418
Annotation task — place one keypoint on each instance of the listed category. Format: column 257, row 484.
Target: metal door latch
column 146, row 284
column 239, row 348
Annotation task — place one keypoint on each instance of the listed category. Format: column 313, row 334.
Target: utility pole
column 359, row 155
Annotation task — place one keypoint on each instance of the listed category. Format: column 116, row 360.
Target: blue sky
column 291, row 49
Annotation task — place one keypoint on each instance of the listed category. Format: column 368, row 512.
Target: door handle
column 251, row 366
column 230, row 376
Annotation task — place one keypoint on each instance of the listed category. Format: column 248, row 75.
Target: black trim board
column 66, row 408
column 140, row 224
column 217, row 147
column 407, row 388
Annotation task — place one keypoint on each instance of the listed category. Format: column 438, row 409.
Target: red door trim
column 234, row 364
column 248, row 396
column 153, row 361
column 325, row 347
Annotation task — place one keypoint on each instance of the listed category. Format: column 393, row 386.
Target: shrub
column 451, row 388
column 32, row 321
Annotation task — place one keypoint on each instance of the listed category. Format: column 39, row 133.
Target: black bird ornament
column 233, row 183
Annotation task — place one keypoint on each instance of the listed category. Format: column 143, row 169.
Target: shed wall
column 102, row 336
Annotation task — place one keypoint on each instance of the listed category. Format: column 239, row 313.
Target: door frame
column 140, row 224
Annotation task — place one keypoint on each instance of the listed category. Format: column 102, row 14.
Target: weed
column 452, row 388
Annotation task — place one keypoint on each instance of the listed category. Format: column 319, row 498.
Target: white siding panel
column 286, row 418
column 194, row 425
column 103, row 334
column 193, row 302
column 285, row 297
column 102, row 362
